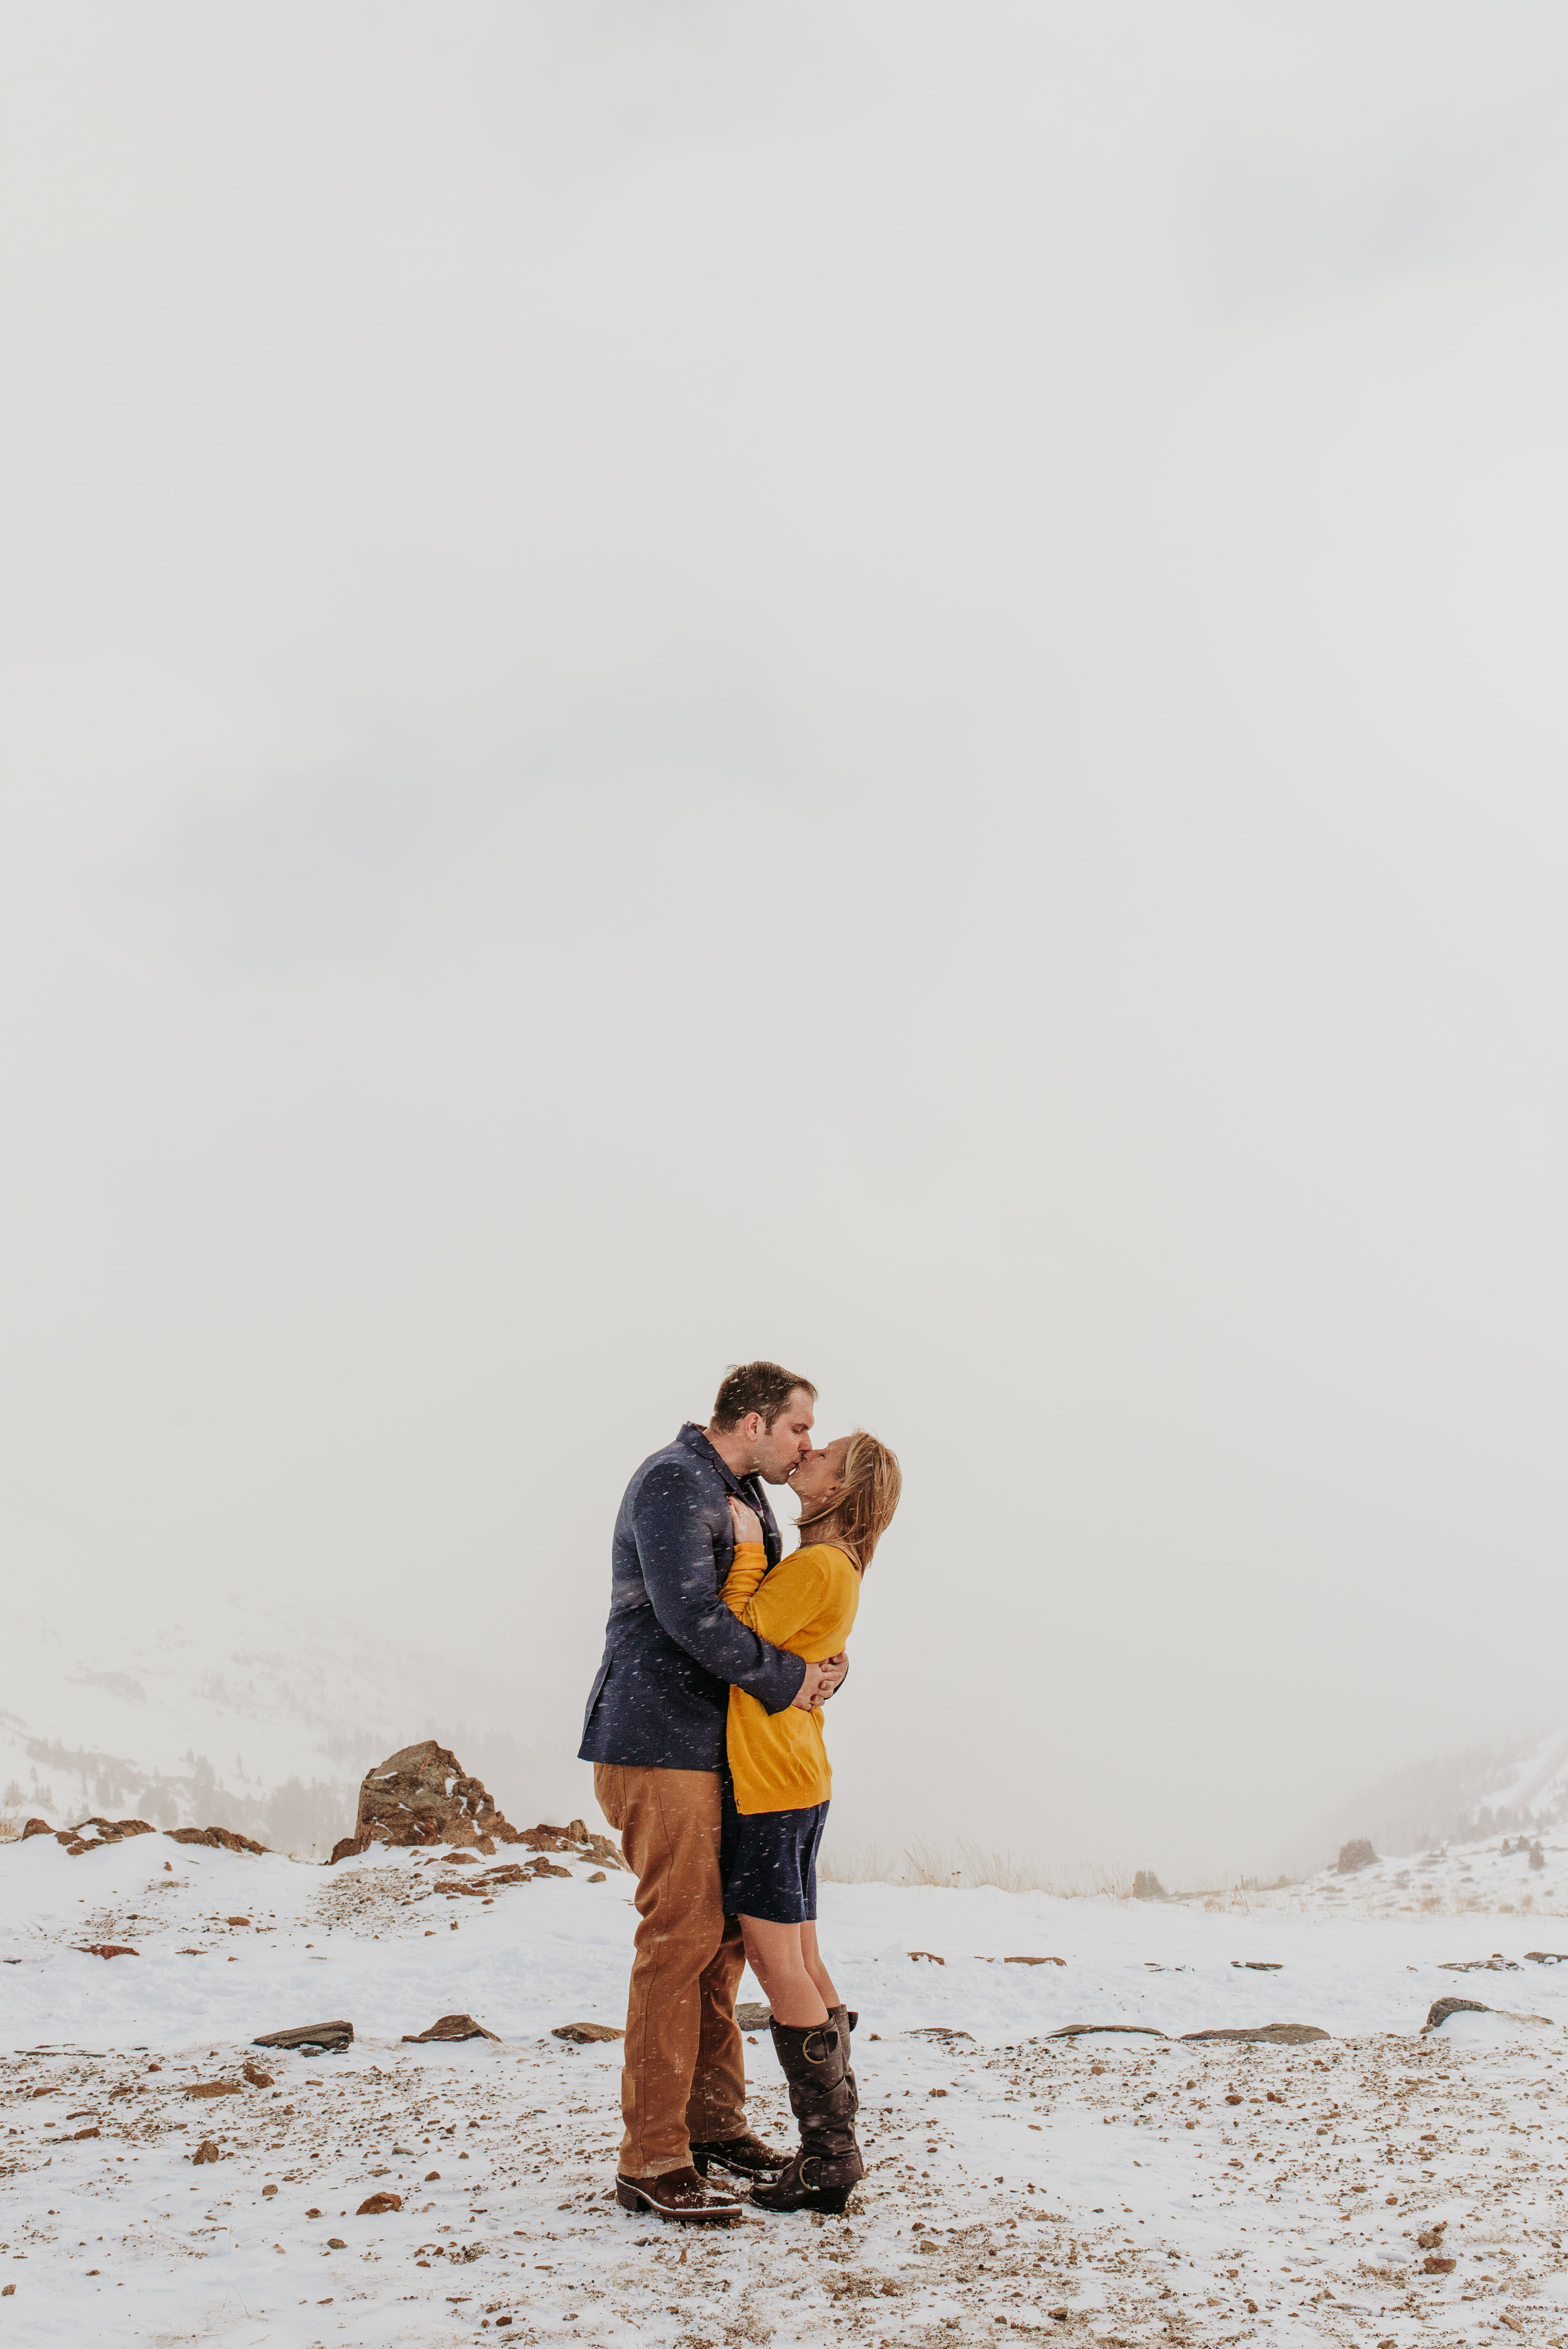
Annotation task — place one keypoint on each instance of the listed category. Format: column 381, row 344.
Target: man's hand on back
column 820, row 1683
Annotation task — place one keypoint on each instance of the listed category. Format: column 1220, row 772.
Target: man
column 655, row 1732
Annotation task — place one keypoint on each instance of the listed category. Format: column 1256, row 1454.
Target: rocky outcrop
column 36, row 1827
column 218, row 1839
column 422, row 1796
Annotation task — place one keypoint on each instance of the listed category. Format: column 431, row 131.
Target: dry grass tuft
column 965, row 1865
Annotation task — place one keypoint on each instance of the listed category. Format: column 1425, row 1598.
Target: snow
column 1011, row 2174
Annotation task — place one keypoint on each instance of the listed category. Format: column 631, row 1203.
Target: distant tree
column 1352, row 1855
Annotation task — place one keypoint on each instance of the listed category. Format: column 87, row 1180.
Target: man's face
column 781, row 1447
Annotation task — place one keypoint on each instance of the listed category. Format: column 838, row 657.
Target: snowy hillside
column 1378, row 2184
column 1498, row 1877
column 241, row 1718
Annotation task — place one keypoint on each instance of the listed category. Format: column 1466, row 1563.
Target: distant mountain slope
column 240, row 1718
column 1500, row 1788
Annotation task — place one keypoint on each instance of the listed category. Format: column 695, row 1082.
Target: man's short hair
column 764, row 1387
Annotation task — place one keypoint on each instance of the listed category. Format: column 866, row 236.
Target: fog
column 874, row 684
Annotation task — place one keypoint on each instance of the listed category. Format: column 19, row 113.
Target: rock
column 206, row 2151
column 328, row 2037
column 335, row 2243
column 930, row 1956
column 586, row 2034
column 753, row 2015
column 1547, row 1957
column 214, row 2088
column 1352, row 1855
column 113, row 1830
column 36, row 1827
column 547, row 1867
column 1441, row 2008
column 1033, row 1961
column 374, row 2205
column 1267, row 2035
column 1257, row 1966
column 256, row 2076
column 1083, row 2030
column 1436, row 2264
column 1145, row 1886
column 575, row 1839
column 217, row 1838
column 451, row 2026
column 422, row 1795
column 1431, row 2237
column 1495, row 1965
column 107, row 1949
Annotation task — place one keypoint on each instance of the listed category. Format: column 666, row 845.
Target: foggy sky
column 880, row 684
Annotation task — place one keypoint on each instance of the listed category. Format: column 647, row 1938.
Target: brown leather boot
column 677, row 2194
column 745, row 2158
column 822, row 2175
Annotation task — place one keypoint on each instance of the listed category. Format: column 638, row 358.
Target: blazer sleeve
column 675, row 1550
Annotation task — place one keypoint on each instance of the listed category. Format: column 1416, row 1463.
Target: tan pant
column 684, row 2074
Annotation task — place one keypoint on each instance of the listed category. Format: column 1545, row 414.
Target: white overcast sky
column 876, row 683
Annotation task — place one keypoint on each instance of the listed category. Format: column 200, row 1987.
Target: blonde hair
column 863, row 1510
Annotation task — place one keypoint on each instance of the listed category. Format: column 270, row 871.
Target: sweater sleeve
column 750, row 1566
column 675, row 1552
column 790, row 1598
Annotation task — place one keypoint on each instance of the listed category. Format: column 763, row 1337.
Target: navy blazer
column 672, row 1647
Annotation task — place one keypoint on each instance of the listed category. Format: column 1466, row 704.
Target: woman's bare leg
column 811, row 1957
column 776, row 1957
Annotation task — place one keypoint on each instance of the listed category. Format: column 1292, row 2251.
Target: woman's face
column 820, row 1477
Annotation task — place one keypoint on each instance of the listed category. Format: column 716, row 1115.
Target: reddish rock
column 586, row 2034
column 219, row 1838
column 256, row 2076
column 575, row 1839
column 206, row 2151
column 374, row 2205
column 422, row 1795
column 214, row 2088
column 107, row 1949
column 451, row 2026
column 36, row 1827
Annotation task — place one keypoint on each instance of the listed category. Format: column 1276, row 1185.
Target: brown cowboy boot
column 823, row 2095
column 745, row 2157
column 677, row 2194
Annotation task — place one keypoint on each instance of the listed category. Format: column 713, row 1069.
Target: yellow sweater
column 778, row 1760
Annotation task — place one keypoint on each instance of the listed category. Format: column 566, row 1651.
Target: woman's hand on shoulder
column 747, row 1523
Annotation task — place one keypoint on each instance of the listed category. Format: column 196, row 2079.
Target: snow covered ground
column 1129, row 2187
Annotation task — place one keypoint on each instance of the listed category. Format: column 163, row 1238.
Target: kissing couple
column 704, row 1730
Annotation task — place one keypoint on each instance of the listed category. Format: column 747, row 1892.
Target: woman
column 779, row 1766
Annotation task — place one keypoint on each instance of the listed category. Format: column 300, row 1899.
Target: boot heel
column 699, row 2162
column 833, row 2200
column 628, row 2198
